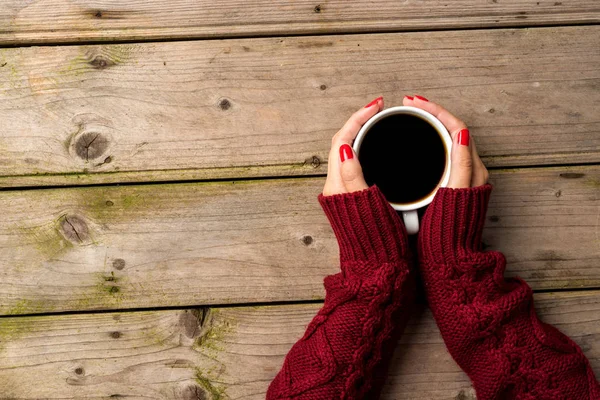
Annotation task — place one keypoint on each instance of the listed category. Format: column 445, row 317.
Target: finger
column 408, row 100
column 333, row 184
column 453, row 124
column 480, row 172
column 357, row 120
column 462, row 161
column 350, row 170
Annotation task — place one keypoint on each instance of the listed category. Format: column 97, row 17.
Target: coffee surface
column 404, row 156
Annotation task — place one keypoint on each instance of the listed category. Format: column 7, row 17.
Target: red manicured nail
column 409, row 97
column 421, row 97
column 463, row 137
column 346, row 152
column 374, row 102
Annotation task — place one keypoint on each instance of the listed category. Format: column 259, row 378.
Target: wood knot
column 307, row 240
column 558, row 193
column 315, row 161
column 317, row 8
column 191, row 321
column 95, row 13
column 225, row 104
column 115, row 335
column 323, row 87
column 572, row 175
column 101, row 62
column 109, row 203
column 74, row 229
column 494, row 218
column 462, row 395
column 79, row 371
column 118, row 263
column 194, row 392
column 91, row 145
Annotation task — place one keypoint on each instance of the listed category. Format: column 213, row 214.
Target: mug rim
column 439, row 127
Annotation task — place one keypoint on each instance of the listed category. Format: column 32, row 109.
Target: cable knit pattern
column 346, row 348
column 488, row 322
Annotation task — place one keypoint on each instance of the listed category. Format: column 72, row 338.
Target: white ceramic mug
column 409, row 211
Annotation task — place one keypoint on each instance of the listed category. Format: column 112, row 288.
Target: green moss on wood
column 216, row 391
column 593, row 182
column 109, row 288
column 13, row 328
column 46, row 238
column 106, row 293
column 26, row 306
column 216, row 328
column 74, row 66
column 122, row 53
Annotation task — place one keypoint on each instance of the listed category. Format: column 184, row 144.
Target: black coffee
column 405, row 156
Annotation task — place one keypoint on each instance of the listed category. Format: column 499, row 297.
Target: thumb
column 350, row 170
column 462, row 161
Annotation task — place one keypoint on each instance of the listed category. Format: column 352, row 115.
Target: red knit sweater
column 489, row 324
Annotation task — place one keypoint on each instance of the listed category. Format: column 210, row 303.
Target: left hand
column 344, row 173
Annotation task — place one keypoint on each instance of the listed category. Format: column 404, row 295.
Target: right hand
column 467, row 168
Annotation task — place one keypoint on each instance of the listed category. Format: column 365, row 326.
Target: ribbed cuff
column 453, row 223
column 366, row 226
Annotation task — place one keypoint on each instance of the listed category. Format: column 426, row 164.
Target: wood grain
column 227, row 108
column 253, row 241
column 44, row 21
column 228, row 353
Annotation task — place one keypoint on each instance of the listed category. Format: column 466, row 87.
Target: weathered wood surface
column 253, row 241
column 226, row 108
column 52, row 21
column 227, row 353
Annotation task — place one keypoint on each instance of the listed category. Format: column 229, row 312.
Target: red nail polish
column 346, row 152
column 409, row 97
column 421, row 97
column 374, row 102
column 463, row 137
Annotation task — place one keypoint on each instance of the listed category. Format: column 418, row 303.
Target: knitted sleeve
column 345, row 350
column 489, row 323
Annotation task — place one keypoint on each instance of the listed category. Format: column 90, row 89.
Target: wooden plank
column 220, row 108
column 229, row 352
column 252, row 241
column 104, row 20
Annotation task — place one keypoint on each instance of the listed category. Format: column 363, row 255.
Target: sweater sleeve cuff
column 453, row 223
column 366, row 226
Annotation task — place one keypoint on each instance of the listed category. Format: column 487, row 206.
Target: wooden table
column 159, row 165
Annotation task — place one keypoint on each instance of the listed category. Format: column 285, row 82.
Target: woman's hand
column 467, row 169
column 344, row 174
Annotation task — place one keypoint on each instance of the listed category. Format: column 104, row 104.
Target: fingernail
column 421, row 97
column 346, row 152
column 374, row 102
column 409, row 97
column 463, row 137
